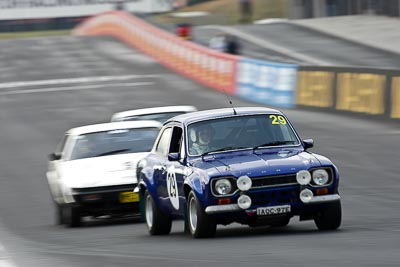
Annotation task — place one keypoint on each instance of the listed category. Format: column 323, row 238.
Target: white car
column 160, row 114
column 93, row 171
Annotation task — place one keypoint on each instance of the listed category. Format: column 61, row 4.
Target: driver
column 84, row 148
column 203, row 138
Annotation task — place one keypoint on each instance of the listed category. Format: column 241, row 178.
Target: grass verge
column 13, row 35
column 227, row 12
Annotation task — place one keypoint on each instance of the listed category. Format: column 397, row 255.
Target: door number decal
column 172, row 187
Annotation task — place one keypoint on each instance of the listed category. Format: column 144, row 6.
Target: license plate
column 127, row 197
column 273, row 210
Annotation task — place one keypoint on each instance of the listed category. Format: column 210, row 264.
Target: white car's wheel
column 59, row 214
column 200, row 224
column 157, row 223
column 71, row 216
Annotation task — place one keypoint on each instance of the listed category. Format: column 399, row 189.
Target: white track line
column 73, row 88
column 5, row 260
column 75, row 80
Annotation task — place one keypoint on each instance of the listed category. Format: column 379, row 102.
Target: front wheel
column 59, row 214
column 330, row 218
column 71, row 216
column 200, row 224
column 157, row 222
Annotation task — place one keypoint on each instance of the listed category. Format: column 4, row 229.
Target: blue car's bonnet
column 261, row 164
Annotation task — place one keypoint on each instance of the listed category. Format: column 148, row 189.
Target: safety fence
column 364, row 91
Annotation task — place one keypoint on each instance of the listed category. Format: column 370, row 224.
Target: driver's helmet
column 205, row 134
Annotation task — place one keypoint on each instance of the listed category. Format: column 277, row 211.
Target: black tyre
column 142, row 201
column 157, row 222
column 330, row 218
column 199, row 223
column 59, row 214
column 71, row 216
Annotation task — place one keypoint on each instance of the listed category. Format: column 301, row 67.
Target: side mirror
column 54, row 156
column 173, row 156
column 308, row 143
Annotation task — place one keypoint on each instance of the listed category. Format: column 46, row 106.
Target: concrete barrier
column 361, row 92
column 315, row 88
column 372, row 92
column 395, row 98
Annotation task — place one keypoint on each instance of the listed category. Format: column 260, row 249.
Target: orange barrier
column 208, row 67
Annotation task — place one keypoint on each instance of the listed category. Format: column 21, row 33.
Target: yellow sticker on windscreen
column 277, row 119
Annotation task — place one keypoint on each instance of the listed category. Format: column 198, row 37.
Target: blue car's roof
column 224, row 112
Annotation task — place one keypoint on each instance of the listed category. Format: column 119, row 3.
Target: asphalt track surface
column 34, row 115
column 314, row 47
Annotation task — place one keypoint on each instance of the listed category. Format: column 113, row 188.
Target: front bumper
column 113, row 200
column 216, row 209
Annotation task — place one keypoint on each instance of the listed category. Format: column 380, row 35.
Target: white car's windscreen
column 240, row 132
column 113, row 142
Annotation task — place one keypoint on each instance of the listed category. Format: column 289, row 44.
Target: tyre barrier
column 371, row 92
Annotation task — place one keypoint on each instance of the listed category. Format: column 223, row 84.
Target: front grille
column 100, row 189
column 271, row 181
column 275, row 197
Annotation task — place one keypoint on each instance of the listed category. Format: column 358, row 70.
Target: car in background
column 93, row 170
column 244, row 165
column 160, row 114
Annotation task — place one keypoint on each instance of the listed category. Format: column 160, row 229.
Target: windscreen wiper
column 224, row 149
column 112, row 152
column 275, row 143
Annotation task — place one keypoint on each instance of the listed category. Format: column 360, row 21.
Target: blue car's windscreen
column 114, row 142
column 239, row 132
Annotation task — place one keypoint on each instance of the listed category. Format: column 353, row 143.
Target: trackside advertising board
column 267, row 82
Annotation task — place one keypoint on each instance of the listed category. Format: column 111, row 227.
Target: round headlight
column 306, row 195
column 244, row 183
column 244, row 202
column 320, row 177
column 223, row 186
column 303, row 177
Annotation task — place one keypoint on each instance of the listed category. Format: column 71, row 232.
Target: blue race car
column 245, row 165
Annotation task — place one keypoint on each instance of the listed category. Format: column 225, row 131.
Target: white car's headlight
column 223, row 186
column 67, row 193
column 303, row 177
column 320, row 177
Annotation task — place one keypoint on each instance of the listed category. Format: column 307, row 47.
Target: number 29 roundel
column 172, row 187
